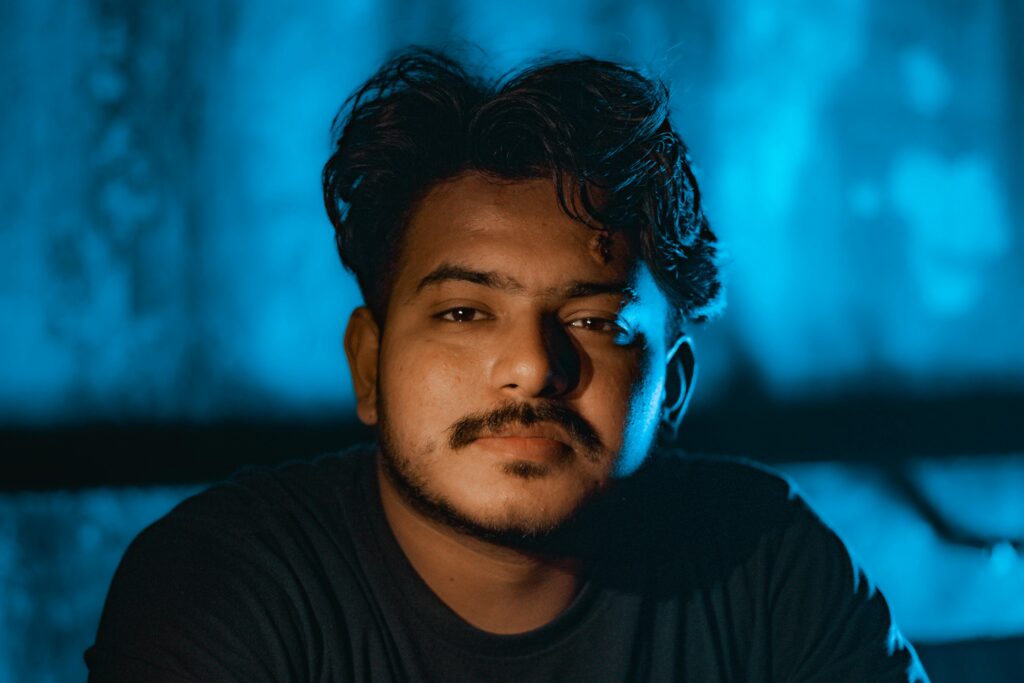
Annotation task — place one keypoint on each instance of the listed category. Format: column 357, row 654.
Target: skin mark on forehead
column 601, row 246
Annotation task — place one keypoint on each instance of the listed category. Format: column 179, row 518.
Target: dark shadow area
column 859, row 428
column 973, row 660
column 871, row 429
column 158, row 454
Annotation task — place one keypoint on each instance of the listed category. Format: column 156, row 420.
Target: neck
column 496, row 589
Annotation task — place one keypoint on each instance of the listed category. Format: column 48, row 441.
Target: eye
column 462, row 314
column 599, row 325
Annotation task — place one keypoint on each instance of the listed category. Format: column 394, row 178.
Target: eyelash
column 615, row 327
column 443, row 314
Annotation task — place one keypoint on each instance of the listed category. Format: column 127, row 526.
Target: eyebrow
column 447, row 272
column 488, row 278
column 581, row 290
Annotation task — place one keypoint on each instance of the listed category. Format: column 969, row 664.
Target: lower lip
column 520, row 447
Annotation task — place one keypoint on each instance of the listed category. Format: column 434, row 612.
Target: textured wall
column 57, row 554
column 166, row 253
column 166, row 257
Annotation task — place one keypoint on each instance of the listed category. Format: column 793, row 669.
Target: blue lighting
column 166, row 256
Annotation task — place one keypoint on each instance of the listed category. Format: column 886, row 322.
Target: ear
column 362, row 344
column 679, row 378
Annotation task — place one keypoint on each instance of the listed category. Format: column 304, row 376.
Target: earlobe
column 679, row 379
column 362, row 344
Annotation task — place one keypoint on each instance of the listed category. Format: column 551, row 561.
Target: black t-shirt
column 704, row 570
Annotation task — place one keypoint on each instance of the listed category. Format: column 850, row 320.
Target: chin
column 523, row 499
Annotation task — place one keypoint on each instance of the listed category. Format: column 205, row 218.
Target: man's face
column 522, row 364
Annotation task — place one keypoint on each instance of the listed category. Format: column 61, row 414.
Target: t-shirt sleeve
column 829, row 623
column 197, row 597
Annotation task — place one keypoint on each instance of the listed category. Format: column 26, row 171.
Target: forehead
column 515, row 227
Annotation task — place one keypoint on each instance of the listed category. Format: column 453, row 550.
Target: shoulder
column 722, row 516
column 232, row 568
column 824, row 617
column 722, row 493
column 258, row 517
column 256, row 495
column 710, row 515
column 744, row 509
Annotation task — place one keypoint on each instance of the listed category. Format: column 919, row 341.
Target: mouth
column 539, row 443
column 544, row 432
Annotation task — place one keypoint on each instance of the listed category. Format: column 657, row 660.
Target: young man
column 529, row 251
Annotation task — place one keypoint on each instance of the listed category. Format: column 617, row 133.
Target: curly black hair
column 598, row 129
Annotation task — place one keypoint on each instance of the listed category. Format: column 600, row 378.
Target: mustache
column 471, row 427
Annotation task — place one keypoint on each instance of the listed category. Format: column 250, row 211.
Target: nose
column 538, row 360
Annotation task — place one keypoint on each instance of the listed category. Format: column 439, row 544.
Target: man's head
column 528, row 250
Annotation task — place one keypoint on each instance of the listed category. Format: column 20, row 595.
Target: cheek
column 624, row 403
column 610, row 399
column 640, row 424
column 422, row 386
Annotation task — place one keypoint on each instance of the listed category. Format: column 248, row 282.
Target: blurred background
column 172, row 306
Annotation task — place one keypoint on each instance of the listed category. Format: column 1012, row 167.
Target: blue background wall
column 166, row 259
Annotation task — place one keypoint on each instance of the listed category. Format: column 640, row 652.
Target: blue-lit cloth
column 699, row 570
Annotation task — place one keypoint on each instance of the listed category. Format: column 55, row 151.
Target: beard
column 514, row 530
